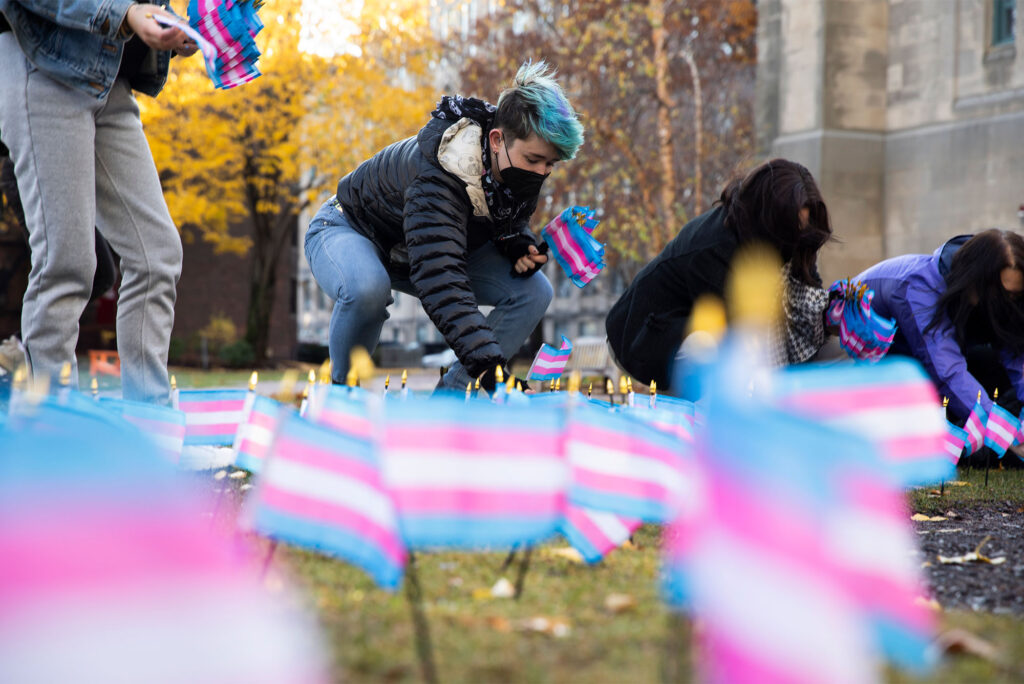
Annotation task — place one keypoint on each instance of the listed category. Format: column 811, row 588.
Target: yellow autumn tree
column 254, row 157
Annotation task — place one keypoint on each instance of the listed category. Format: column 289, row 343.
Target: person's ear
column 496, row 136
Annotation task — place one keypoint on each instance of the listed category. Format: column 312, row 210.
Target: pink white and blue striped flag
column 975, row 427
column 212, row 416
column 956, row 438
column 105, row 552
column 595, row 534
column 829, row 538
column 474, row 474
column 1000, row 430
column 550, row 362
column 256, row 432
column 625, row 466
column 893, row 403
column 870, row 542
column 777, row 623
column 163, row 425
column 569, row 235
column 322, row 490
column 344, row 409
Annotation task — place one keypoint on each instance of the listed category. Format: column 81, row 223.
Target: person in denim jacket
column 68, row 115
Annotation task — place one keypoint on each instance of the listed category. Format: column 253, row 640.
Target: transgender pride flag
column 256, row 432
column 550, row 362
column 163, row 425
column 1000, row 430
column 573, row 246
column 975, row 427
column 625, row 466
column 828, row 538
column 474, row 474
column 595, row 534
column 892, row 403
column 212, row 416
column 348, row 410
column 956, row 437
column 322, row 490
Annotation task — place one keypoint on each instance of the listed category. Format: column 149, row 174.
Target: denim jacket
column 75, row 42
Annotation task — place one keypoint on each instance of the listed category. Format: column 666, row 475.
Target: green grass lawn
column 479, row 638
column 968, row 488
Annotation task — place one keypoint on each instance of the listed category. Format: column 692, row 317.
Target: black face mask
column 524, row 184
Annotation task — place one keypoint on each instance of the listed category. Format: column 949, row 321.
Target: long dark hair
column 765, row 205
column 975, row 295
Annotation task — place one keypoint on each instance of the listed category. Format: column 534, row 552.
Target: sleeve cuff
column 110, row 18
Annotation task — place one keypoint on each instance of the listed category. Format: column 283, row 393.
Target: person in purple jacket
column 960, row 313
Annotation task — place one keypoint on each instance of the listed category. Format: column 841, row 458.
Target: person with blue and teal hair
column 444, row 216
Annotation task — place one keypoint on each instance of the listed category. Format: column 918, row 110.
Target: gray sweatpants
column 82, row 162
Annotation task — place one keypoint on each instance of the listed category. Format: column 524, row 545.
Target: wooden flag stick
column 678, row 634
column 524, row 567
column 508, row 559
column 414, row 596
column 988, row 450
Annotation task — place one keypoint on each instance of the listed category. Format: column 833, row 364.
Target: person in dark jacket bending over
column 444, row 216
column 960, row 312
column 779, row 204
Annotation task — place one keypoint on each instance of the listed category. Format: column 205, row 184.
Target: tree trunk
column 262, row 289
column 666, row 151
column 698, row 133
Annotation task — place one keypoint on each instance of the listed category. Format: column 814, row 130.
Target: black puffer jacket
column 421, row 218
column 645, row 327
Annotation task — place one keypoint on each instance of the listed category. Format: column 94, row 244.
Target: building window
column 1004, row 20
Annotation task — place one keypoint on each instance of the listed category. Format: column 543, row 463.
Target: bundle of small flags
column 863, row 334
column 569, row 235
column 225, row 33
column 550, row 362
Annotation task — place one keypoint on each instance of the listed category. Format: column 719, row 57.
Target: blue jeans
column 350, row 269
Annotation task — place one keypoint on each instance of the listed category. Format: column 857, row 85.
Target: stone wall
column 909, row 118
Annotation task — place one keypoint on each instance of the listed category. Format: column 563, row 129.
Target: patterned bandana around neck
column 504, row 207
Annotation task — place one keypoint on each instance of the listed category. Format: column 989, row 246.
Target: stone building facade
column 910, row 113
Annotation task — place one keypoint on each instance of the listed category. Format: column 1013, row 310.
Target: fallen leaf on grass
column 952, row 514
column 962, row 641
column 619, row 603
column 499, row 624
column 503, row 589
column 921, row 517
column 556, row 627
column 975, row 555
column 958, row 483
column 568, row 553
column 628, row 544
column 928, row 603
